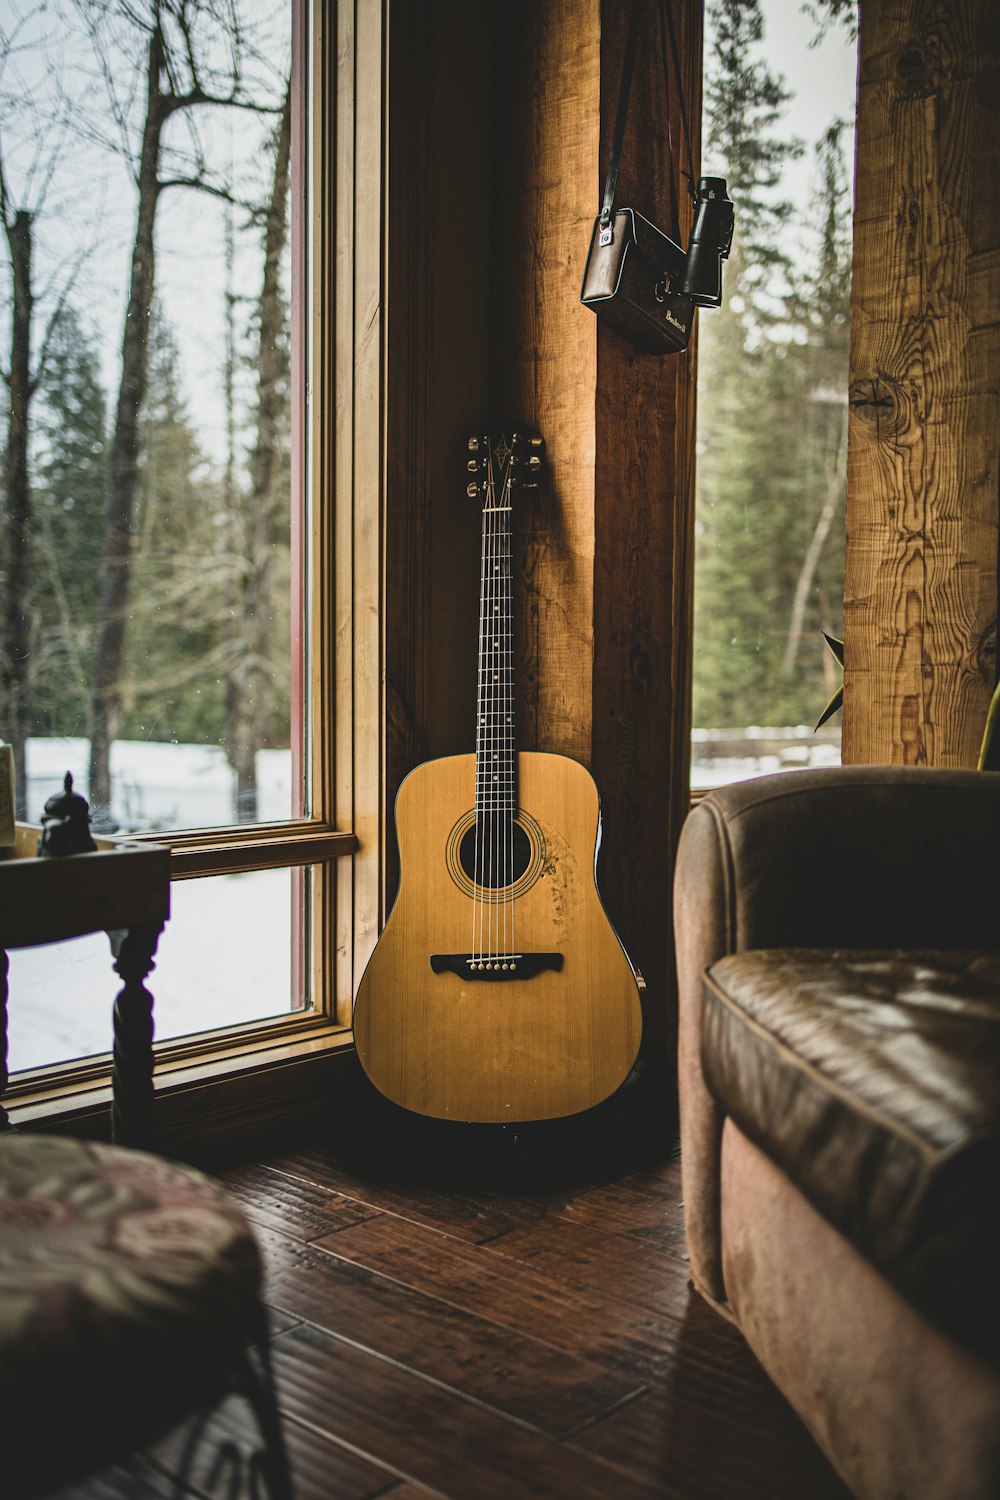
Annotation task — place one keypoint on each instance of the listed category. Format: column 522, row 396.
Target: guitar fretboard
column 496, row 757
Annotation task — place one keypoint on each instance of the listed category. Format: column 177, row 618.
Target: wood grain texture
column 509, row 1370
column 546, row 112
column 416, row 1357
column 923, row 461
column 437, row 382
column 644, row 499
column 516, row 1050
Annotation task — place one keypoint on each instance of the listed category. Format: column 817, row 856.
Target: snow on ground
column 224, row 957
column 225, row 954
column 156, row 785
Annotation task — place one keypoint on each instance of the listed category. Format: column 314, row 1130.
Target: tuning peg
column 537, row 443
column 473, row 466
column 472, row 490
column 534, row 464
column 473, row 445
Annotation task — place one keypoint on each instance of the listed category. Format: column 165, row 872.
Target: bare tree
column 249, row 688
column 177, row 80
column 15, row 657
column 21, row 380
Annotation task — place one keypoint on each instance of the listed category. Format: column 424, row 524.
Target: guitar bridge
column 496, row 966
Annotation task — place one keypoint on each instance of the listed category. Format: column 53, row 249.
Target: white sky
column 822, row 80
column 87, row 211
column 90, row 202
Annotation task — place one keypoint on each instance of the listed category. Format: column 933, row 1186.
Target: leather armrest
column 853, row 857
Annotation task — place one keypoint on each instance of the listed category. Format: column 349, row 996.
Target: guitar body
column 475, row 1042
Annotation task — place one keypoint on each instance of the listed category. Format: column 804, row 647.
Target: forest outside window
column 772, row 390
column 163, row 551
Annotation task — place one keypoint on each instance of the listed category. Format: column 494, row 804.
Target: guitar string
column 476, row 902
column 493, row 929
column 490, row 678
column 493, row 762
column 508, row 814
column 489, row 783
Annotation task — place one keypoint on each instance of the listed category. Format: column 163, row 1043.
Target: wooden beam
column 498, row 236
column 546, row 130
column 923, row 456
column 644, row 498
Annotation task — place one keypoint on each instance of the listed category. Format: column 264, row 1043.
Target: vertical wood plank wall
column 498, row 140
column 643, row 546
column 546, row 90
column 924, row 436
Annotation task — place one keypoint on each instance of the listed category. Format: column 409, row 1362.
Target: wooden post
column 923, row 451
column 643, row 549
column 602, row 555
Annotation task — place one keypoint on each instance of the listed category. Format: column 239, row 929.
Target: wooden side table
column 124, row 890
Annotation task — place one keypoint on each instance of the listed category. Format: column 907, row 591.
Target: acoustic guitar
column 498, row 990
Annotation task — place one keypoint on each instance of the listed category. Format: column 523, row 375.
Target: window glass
column 148, row 166
column 225, row 958
column 772, row 390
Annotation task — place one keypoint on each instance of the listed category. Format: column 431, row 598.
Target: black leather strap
column 619, row 135
column 667, row 14
column 628, row 65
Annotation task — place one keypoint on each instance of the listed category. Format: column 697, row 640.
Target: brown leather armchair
column 838, row 950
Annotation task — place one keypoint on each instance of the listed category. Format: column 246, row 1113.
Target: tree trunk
column 836, row 480
column 124, row 455
column 250, row 696
column 15, row 667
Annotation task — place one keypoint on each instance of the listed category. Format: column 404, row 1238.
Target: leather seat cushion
column 873, row 1080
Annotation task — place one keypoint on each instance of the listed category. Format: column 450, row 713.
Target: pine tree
column 171, row 687
column 70, row 495
column 824, row 310
column 257, row 665
column 747, row 472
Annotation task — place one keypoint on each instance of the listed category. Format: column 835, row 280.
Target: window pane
column 772, row 393
column 152, row 503
column 225, row 958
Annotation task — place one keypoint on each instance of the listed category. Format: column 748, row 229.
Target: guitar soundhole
column 499, row 855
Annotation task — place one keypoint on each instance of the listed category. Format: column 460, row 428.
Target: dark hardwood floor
column 489, row 1314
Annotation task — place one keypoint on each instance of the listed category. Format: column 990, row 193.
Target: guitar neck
column 496, row 755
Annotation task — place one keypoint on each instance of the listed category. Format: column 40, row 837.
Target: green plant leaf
column 837, row 701
column 837, row 647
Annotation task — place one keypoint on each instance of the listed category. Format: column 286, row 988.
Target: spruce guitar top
column 498, row 990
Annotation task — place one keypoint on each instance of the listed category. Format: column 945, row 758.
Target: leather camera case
column 627, row 282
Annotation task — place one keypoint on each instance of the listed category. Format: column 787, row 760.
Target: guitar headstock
column 503, row 464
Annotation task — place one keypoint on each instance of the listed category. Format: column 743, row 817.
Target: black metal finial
column 66, row 824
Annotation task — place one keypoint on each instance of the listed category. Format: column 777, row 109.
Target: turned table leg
column 132, row 1073
column 4, row 1075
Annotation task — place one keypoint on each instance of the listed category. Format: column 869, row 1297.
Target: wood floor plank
column 322, row 1468
column 711, row 1456
column 409, row 1491
column 467, row 1214
column 620, row 1208
column 499, row 1366
column 434, row 1437
column 303, row 1210
column 592, row 1325
column 501, row 1338
column 638, row 1272
column 132, row 1480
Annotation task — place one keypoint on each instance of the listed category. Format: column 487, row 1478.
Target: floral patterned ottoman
column 129, row 1287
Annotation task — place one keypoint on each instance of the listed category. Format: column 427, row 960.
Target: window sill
column 233, row 1096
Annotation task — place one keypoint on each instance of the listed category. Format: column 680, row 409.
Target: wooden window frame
column 223, row 1082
